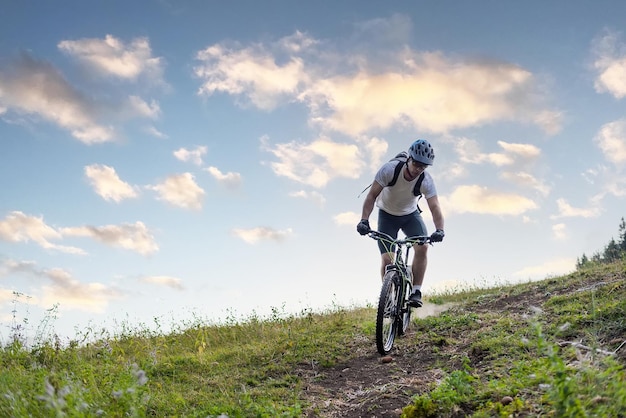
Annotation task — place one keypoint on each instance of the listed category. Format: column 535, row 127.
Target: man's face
column 415, row 168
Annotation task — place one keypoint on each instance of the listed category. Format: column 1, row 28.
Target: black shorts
column 411, row 225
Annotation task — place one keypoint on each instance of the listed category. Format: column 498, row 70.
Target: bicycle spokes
column 386, row 319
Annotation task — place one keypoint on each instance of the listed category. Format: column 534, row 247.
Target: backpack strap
column 396, row 172
column 417, row 192
column 418, row 185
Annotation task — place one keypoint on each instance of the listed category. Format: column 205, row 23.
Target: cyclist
column 398, row 210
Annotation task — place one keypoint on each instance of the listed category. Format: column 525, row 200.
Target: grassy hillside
column 549, row 348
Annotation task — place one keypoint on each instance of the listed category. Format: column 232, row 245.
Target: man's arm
column 435, row 210
column 370, row 199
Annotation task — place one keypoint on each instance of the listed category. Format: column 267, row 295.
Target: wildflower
column 142, row 379
column 140, row 375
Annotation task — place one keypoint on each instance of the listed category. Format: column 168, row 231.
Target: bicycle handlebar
column 407, row 241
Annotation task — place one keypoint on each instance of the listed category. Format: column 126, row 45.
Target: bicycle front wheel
column 404, row 317
column 386, row 315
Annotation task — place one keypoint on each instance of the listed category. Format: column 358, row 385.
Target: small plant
column 453, row 391
column 561, row 387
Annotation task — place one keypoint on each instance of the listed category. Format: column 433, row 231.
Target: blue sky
column 165, row 161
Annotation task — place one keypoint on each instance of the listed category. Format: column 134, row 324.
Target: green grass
column 551, row 348
column 240, row 369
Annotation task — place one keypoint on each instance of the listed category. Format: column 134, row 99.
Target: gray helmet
column 422, row 151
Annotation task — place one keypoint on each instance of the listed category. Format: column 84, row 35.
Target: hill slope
column 507, row 348
column 549, row 348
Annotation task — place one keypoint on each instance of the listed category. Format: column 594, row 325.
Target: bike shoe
column 415, row 300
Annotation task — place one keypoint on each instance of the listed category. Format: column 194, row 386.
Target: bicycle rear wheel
column 386, row 316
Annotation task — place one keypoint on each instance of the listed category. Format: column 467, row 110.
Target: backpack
column 402, row 158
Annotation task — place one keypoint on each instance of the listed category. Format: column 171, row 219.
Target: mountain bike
column 394, row 313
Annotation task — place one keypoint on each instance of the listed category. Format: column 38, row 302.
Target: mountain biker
column 398, row 210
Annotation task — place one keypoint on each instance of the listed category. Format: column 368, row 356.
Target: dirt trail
column 364, row 386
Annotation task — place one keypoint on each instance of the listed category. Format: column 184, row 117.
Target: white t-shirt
column 399, row 199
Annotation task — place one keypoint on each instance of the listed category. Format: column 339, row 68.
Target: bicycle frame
column 401, row 258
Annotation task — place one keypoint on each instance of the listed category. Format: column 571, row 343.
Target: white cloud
column 477, row 199
column 551, row 121
column 252, row 72
column 417, row 93
column 19, row 227
column 513, row 154
column 615, row 186
column 469, row 152
column 555, row 267
column 139, row 107
column 590, row 175
column 70, row 293
column 559, row 231
column 498, row 159
column 194, row 156
column 315, row 163
column 375, row 148
column 230, row 179
column 610, row 64
column 356, row 92
column 155, row 132
column 609, row 180
column 526, row 151
column 136, row 237
column 568, row 211
column 180, row 190
column 254, row 235
column 612, row 141
column 168, row 281
column 107, row 183
column 63, row 289
column 36, row 88
column 111, row 56
column 527, row 180
column 347, row 218
column 10, row 266
column 297, row 42
column 313, row 196
column 455, row 171
column 6, row 296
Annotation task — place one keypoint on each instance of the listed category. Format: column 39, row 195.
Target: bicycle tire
column 404, row 320
column 386, row 315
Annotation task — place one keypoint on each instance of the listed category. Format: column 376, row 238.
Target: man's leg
column 415, row 226
column 389, row 225
column 418, row 268
column 386, row 259
column 420, row 261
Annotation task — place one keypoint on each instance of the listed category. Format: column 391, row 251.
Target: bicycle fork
column 403, row 281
